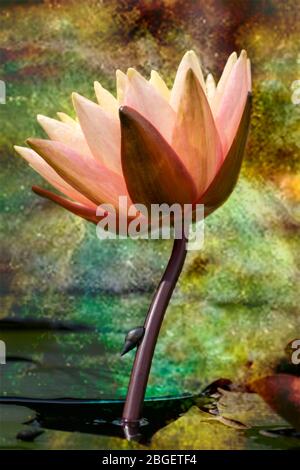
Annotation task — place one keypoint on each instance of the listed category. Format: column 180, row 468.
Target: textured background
column 237, row 304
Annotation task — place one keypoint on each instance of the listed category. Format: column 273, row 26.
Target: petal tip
column 97, row 86
column 125, row 113
column 30, row 140
column 76, row 98
column 191, row 77
column 81, row 102
column 131, row 72
column 41, row 119
column 20, row 150
column 190, row 53
column 190, row 73
column 36, row 190
column 35, row 143
column 125, row 109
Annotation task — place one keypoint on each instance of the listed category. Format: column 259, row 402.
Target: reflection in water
column 102, row 417
column 47, row 364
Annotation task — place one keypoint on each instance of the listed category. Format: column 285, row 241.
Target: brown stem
column 143, row 358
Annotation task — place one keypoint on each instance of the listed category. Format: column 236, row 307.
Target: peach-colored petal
column 106, row 100
column 189, row 61
column 101, row 130
column 143, row 97
column 195, row 137
column 210, row 87
column 160, row 85
column 86, row 212
column 50, row 175
column 122, row 83
column 67, row 119
column 81, row 210
column 225, row 180
column 232, row 103
column 223, row 80
column 88, row 176
column 66, row 133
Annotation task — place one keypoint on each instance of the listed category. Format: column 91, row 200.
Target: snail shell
column 132, row 339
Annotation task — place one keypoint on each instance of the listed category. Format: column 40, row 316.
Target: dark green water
column 61, row 363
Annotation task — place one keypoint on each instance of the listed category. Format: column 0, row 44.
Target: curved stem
column 143, row 359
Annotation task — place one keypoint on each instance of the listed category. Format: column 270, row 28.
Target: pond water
column 62, row 388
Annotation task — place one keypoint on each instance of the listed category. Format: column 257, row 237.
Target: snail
column 133, row 339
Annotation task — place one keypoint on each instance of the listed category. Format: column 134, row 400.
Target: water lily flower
column 151, row 144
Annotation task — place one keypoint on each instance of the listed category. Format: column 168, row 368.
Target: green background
column 236, row 306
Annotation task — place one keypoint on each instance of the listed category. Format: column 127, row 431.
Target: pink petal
column 106, row 100
column 144, row 98
column 160, row 85
column 195, row 137
column 45, row 170
column 89, row 177
column 69, row 134
column 67, row 119
column 122, row 83
column 223, row 80
column 210, row 87
column 101, row 130
column 86, row 212
column 232, row 103
column 189, row 61
column 225, row 180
